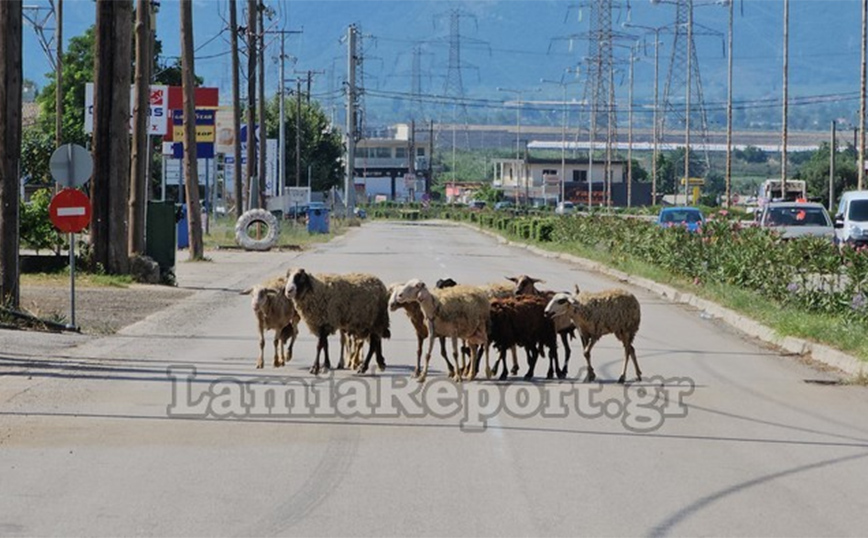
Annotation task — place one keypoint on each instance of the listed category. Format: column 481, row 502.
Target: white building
column 539, row 178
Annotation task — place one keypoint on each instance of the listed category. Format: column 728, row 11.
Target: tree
column 321, row 145
column 815, row 172
column 11, row 19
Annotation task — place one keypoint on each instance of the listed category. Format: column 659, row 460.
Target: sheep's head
column 560, row 305
column 297, row 283
column 525, row 285
column 445, row 283
column 393, row 297
column 413, row 290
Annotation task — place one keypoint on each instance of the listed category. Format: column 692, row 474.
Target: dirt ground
column 100, row 310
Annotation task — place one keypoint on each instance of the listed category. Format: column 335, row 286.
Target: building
column 538, row 179
column 395, row 167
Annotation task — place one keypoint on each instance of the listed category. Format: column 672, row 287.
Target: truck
column 770, row 191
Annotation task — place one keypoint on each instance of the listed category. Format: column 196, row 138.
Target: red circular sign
column 70, row 210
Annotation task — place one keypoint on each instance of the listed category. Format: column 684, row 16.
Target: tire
column 251, row 217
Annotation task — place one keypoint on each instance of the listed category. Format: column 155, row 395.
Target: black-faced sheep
column 521, row 321
column 274, row 311
column 526, row 285
column 457, row 312
column 354, row 303
column 612, row 311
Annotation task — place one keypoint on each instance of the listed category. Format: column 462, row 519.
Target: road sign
column 71, row 165
column 70, row 210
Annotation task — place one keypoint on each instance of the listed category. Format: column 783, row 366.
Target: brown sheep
column 526, row 285
column 521, row 321
column 612, row 311
column 275, row 312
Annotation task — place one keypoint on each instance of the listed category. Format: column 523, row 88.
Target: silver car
column 797, row 219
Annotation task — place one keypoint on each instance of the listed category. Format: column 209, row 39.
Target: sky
column 512, row 44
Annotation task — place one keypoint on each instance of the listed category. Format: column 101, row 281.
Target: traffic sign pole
column 71, row 281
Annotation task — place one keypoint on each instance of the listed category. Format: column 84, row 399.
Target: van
column 851, row 220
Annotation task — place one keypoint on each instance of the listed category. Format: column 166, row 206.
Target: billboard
column 157, row 112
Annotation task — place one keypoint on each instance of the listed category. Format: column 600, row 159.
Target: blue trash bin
column 183, row 231
column 317, row 218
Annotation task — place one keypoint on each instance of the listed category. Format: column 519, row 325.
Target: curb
column 752, row 328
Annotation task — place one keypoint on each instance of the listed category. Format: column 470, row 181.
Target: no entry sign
column 70, row 210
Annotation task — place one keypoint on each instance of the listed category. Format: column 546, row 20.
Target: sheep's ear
column 421, row 290
column 538, row 281
column 512, row 279
column 578, row 291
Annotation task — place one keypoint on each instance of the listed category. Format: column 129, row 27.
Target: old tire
column 252, row 217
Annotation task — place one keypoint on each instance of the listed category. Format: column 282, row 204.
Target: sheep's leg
column 460, row 363
column 428, row 353
column 629, row 352
column 514, row 360
column 502, row 359
column 419, row 342
column 292, row 336
column 567, row 352
column 488, row 372
column 381, row 360
column 445, row 356
column 344, row 345
column 278, row 350
column 261, row 361
column 474, row 356
column 554, row 368
column 372, row 348
column 531, row 362
column 589, row 342
column 635, row 363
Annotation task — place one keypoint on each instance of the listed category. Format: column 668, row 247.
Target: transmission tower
column 453, row 89
column 684, row 81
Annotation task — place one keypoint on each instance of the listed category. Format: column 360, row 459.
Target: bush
column 36, row 230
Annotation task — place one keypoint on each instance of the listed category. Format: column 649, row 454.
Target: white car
column 851, row 220
column 565, row 208
column 797, row 219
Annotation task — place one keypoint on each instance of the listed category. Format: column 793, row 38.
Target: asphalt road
column 722, row 437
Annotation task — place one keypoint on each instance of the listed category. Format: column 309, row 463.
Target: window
column 580, row 175
column 550, row 173
column 859, row 210
column 400, row 153
column 420, row 152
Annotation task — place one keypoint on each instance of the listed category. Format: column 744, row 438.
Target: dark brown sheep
column 521, row 321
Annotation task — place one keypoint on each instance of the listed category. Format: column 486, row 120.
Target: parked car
column 296, row 211
column 360, row 213
column 797, row 219
column 499, row 206
column 851, row 220
column 690, row 217
column 476, row 205
column 565, row 208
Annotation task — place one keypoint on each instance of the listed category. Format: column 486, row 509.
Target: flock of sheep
column 504, row 316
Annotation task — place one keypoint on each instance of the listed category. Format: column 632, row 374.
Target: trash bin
column 183, row 231
column 317, row 218
column 160, row 235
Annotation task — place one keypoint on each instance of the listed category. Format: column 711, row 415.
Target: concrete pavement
column 761, row 445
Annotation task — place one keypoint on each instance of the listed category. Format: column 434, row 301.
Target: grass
column 834, row 331
column 82, row 279
column 292, row 235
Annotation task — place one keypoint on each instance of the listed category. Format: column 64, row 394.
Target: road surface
column 166, row 428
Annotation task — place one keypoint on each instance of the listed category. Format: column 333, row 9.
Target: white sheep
column 612, row 311
column 274, row 311
column 354, row 303
column 417, row 319
column 459, row 312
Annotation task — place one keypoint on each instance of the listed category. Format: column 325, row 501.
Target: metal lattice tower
column 454, row 85
column 676, row 88
column 418, row 110
column 600, row 64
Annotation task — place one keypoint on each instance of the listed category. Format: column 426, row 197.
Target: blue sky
column 519, row 46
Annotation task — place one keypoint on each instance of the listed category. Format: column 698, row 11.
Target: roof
column 855, row 195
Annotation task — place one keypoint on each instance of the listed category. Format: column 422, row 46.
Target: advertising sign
column 157, row 111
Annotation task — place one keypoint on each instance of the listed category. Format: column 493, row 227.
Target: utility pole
column 139, row 166
column 252, row 200
column 786, row 95
column 262, row 136
column 349, row 186
column 861, row 164
column 58, row 75
column 630, row 133
column 687, row 103
column 110, row 187
column 11, row 58
column 298, row 133
column 729, row 109
column 188, row 71
column 832, row 151
column 281, row 91
column 236, row 111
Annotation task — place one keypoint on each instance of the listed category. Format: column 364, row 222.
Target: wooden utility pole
column 728, row 194
column 58, row 75
column 251, row 100
column 260, row 8
column 11, row 21
column 860, row 166
column 141, row 136
column 110, row 185
column 191, row 173
column 236, row 111
column 297, row 133
column 785, row 112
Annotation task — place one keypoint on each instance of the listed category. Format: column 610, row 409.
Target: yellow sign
column 694, row 181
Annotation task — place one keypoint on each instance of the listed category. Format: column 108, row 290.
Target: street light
column 655, row 131
column 563, row 86
column 518, row 137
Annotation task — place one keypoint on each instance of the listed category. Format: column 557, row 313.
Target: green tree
column 815, row 172
column 321, row 144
